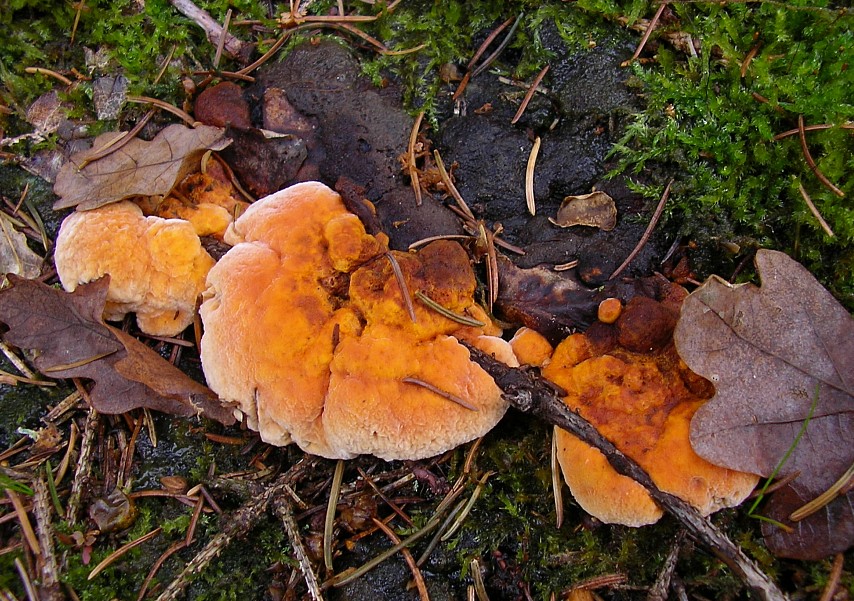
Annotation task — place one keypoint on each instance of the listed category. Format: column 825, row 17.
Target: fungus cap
column 307, row 332
column 643, row 403
column 157, row 267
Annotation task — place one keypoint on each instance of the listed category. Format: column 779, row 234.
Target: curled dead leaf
column 139, row 168
column 596, row 209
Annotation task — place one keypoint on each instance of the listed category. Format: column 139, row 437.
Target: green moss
column 706, row 126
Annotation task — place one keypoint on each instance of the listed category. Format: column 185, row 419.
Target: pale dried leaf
column 139, row 168
column 596, row 209
column 15, row 256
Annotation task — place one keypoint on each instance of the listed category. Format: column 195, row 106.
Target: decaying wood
column 213, row 30
column 530, row 394
column 282, row 508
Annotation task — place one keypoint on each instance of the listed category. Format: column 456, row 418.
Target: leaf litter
column 73, row 341
column 769, row 351
column 139, row 168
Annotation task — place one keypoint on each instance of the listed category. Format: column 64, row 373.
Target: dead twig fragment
column 234, row 47
column 814, row 210
column 646, row 35
column 84, row 463
column 112, row 557
column 48, row 566
column 407, row 556
column 529, row 95
column 531, row 395
column 647, row 233
column 445, row 395
column 659, row 590
column 529, row 177
column 811, row 162
column 283, row 509
column 242, row 520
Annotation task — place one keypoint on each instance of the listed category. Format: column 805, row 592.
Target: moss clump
column 711, row 121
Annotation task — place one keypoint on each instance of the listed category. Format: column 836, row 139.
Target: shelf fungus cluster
column 319, row 335
column 628, row 381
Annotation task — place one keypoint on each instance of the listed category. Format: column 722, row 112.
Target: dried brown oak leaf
column 139, row 168
column 71, row 340
column 769, row 351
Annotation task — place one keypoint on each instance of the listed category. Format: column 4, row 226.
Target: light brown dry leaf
column 15, row 256
column 596, row 209
column 139, row 168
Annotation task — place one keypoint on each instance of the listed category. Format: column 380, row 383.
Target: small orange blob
column 531, row 347
column 609, row 310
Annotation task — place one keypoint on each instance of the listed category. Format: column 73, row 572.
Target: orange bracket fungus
column 642, row 399
column 157, row 267
column 310, row 334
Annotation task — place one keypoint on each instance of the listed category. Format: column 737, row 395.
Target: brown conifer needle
column 530, row 94
column 814, row 210
column 647, row 233
column 112, row 557
column 805, row 149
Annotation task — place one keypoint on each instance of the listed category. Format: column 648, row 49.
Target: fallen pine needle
column 647, row 233
column 445, row 395
column 413, row 170
column 444, row 311
column 811, row 162
column 556, row 483
column 646, row 35
column 24, row 521
column 54, row 74
column 833, row 578
column 814, row 211
column 529, row 177
column 121, row 551
column 468, row 507
column 824, row 498
column 166, row 555
column 165, row 106
column 404, row 289
column 410, row 561
column 530, row 94
column 334, row 493
column 477, row 576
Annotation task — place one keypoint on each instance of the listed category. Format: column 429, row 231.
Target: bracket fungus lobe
column 157, row 267
column 643, row 401
column 307, row 332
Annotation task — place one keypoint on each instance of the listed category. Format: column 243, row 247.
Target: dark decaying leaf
column 828, row 531
column 15, row 255
column 769, row 351
column 139, row 168
column 72, row 341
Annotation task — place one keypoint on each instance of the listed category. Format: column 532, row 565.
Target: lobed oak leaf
column 15, row 255
column 139, row 168
column 71, row 340
column 774, row 353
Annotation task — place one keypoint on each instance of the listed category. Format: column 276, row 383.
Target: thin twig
column 84, row 464
column 407, row 556
column 48, row 566
column 283, row 509
column 233, row 46
column 647, row 233
column 812, row 164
